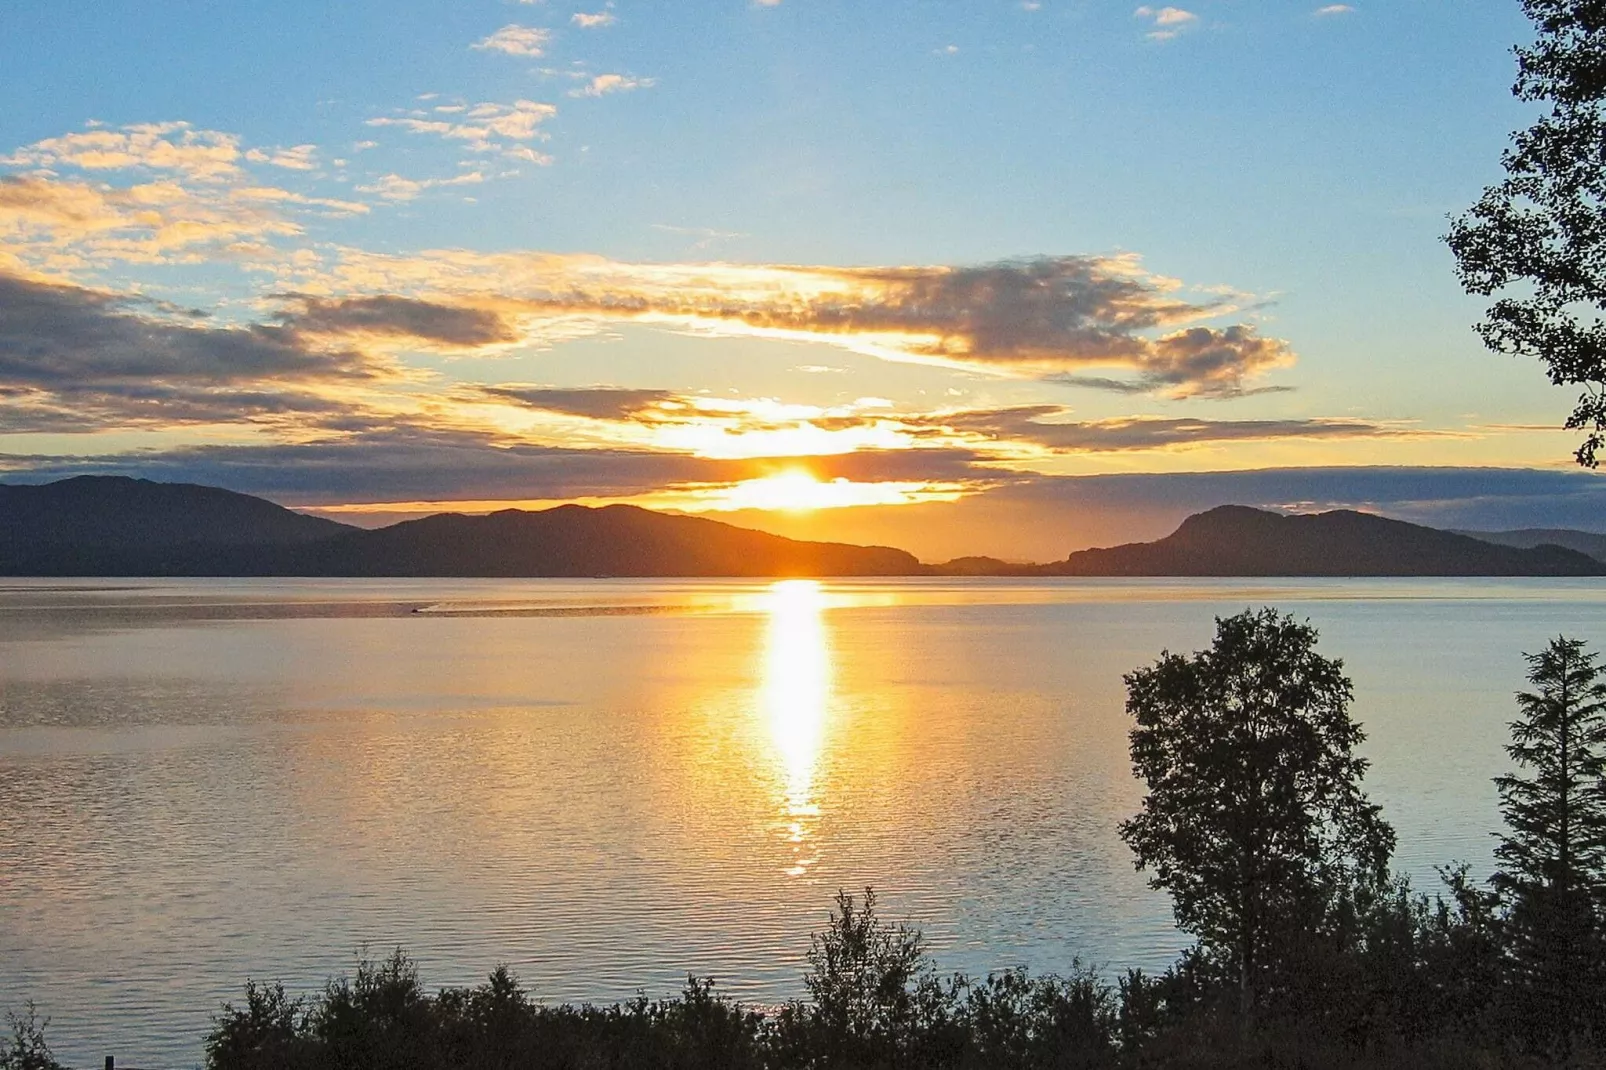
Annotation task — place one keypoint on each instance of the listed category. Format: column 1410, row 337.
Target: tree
column 1553, row 855
column 869, row 980
column 1254, row 819
column 1543, row 229
column 26, row 1049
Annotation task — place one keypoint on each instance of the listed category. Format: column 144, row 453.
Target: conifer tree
column 1553, row 854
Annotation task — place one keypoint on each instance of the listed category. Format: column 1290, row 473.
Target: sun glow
column 796, row 693
column 795, row 490
column 800, row 491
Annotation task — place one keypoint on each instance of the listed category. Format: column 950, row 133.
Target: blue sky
column 891, row 258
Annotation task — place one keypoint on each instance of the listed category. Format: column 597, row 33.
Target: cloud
column 75, row 359
column 592, row 22
column 597, row 403
column 1045, row 426
column 515, row 40
column 397, row 317
column 1037, row 318
column 294, row 158
column 403, row 461
column 64, row 336
column 60, row 225
column 396, row 188
column 174, row 147
column 188, row 201
column 1211, row 361
column 603, row 84
column 706, row 236
column 484, row 127
column 1333, row 9
column 1168, row 21
column 1018, row 436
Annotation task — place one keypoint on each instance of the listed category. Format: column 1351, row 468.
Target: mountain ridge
column 117, row 526
column 1585, row 542
column 1237, row 540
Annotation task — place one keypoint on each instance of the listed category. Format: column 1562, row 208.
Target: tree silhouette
column 1254, row 819
column 1553, row 855
column 1543, row 229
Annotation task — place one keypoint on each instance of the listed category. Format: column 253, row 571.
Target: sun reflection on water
column 796, row 692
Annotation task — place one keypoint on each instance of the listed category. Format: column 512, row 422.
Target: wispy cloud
column 593, row 21
column 1047, row 427
column 1333, row 9
column 725, row 426
column 485, row 127
column 1167, row 21
column 294, row 158
column 394, row 187
column 603, row 84
column 705, row 236
column 516, row 40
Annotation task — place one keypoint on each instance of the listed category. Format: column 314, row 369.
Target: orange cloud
column 1040, row 318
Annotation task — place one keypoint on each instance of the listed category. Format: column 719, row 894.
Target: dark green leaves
column 1254, row 820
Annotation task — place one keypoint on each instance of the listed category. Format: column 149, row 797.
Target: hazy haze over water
column 609, row 784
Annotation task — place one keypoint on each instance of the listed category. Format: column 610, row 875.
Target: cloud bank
column 1041, row 318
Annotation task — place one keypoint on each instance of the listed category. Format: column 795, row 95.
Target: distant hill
column 112, row 525
column 1234, row 540
column 571, row 540
column 982, row 566
column 1585, row 542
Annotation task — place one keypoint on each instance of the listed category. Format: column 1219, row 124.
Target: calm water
column 608, row 784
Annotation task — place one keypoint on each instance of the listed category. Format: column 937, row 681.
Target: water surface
column 608, row 784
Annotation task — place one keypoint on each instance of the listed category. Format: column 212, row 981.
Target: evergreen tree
column 1553, row 856
column 1255, row 821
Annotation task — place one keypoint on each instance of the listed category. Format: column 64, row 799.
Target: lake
column 609, row 784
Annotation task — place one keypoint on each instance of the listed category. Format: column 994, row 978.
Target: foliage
column 1553, row 855
column 26, row 1049
column 870, row 983
column 1557, row 814
column 1254, row 819
column 1542, row 231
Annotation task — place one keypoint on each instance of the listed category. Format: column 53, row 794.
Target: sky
column 1005, row 278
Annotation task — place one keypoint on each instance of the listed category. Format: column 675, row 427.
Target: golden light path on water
column 795, row 696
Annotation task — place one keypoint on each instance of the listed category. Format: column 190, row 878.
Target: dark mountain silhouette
column 112, row 525
column 571, row 540
column 1585, row 542
column 983, row 566
column 1234, row 540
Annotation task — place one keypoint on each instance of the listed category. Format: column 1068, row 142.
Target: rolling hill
column 1234, row 540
